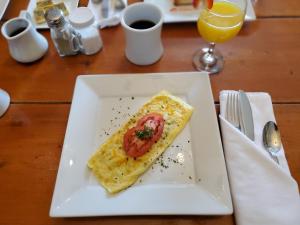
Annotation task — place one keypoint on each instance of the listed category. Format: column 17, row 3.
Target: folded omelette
column 113, row 168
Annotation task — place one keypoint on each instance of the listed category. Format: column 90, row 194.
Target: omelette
column 114, row 168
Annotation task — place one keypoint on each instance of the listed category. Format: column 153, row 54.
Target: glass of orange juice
column 218, row 24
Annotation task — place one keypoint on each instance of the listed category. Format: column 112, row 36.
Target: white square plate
column 192, row 15
column 70, row 4
column 196, row 185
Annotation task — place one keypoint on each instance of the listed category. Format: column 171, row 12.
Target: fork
column 233, row 109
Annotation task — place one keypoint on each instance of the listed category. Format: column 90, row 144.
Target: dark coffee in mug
column 142, row 24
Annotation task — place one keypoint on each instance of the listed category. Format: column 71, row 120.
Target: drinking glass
column 217, row 25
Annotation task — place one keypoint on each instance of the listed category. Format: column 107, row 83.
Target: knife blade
column 246, row 114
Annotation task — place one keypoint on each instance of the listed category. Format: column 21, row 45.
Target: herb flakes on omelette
column 131, row 150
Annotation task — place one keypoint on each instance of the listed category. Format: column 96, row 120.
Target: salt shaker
column 64, row 36
column 83, row 20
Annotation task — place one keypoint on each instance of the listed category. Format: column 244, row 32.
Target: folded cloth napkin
column 263, row 192
column 113, row 18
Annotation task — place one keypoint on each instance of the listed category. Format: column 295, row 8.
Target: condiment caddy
column 79, row 34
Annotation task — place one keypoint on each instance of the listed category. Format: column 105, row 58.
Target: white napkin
column 263, row 192
column 113, row 18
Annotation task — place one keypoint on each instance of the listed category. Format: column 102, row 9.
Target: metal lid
column 54, row 17
column 81, row 17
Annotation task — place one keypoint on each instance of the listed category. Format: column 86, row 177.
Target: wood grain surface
column 260, row 58
column 277, row 8
column 267, row 49
column 31, row 138
column 265, row 56
column 263, row 8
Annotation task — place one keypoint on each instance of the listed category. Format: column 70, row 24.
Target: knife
column 246, row 115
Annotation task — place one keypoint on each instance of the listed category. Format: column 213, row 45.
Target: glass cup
column 217, row 25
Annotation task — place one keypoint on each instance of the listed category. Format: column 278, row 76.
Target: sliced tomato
column 135, row 146
column 154, row 121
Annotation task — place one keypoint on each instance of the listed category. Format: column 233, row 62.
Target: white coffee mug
column 24, row 42
column 143, row 46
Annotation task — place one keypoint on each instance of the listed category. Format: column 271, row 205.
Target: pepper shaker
column 64, row 36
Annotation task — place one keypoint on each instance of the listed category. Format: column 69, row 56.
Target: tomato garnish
column 139, row 139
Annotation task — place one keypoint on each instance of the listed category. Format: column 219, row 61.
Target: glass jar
column 64, row 36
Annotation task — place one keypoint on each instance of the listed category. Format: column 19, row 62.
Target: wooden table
column 265, row 56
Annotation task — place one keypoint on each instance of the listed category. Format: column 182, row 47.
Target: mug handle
column 26, row 15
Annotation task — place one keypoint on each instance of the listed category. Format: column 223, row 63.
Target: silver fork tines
column 232, row 109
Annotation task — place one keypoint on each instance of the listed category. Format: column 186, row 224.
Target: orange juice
column 221, row 23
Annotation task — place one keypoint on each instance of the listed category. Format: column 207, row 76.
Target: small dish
column 70, row 4
column 190, row 15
